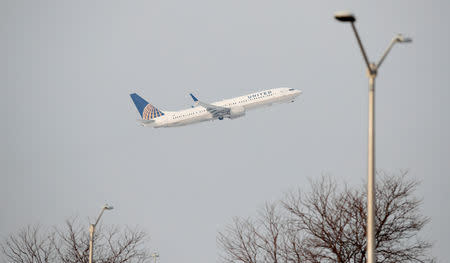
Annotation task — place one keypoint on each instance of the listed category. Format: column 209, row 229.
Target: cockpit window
column 291, row 89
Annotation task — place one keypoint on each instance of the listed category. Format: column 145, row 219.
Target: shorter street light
column 372, row 69
column 92, row 230
column 154, row 256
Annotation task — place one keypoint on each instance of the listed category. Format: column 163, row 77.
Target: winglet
column 193, row 97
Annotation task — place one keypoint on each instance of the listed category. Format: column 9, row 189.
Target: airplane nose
column 298, row 92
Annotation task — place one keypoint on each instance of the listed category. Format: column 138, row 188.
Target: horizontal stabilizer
column 145, row 122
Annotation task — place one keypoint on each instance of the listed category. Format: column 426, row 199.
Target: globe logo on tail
column 151, row 112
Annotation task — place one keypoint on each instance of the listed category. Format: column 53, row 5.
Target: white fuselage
column 243, row 103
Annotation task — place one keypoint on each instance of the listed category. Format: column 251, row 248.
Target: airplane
column 202, row 111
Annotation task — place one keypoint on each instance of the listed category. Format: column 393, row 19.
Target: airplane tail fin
column 147, row 110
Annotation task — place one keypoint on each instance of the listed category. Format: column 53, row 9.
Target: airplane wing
column 216, row 111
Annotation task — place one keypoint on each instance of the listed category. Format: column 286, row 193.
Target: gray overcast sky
column 69, row 141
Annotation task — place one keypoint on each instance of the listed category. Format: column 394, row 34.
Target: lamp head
column 108, row 207
column 401, row 39
column 344, row 16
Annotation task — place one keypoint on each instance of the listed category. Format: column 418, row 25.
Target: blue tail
column 144, row 108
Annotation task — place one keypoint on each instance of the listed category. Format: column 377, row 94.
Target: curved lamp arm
column 397, row 39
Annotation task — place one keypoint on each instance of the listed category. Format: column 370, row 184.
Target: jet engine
column 236, row 112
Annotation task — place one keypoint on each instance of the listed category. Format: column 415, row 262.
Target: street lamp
column 154, row 256
column 92, row 229
column 372, row 69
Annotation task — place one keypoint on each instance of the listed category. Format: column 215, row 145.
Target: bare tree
column 269, row 238
column 112, row 245
column 29, row 245
column 70, row 244
column 240, row 243
column 328, row 224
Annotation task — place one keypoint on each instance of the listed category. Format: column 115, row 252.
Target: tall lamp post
column 372, row 70
column 92, row 230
